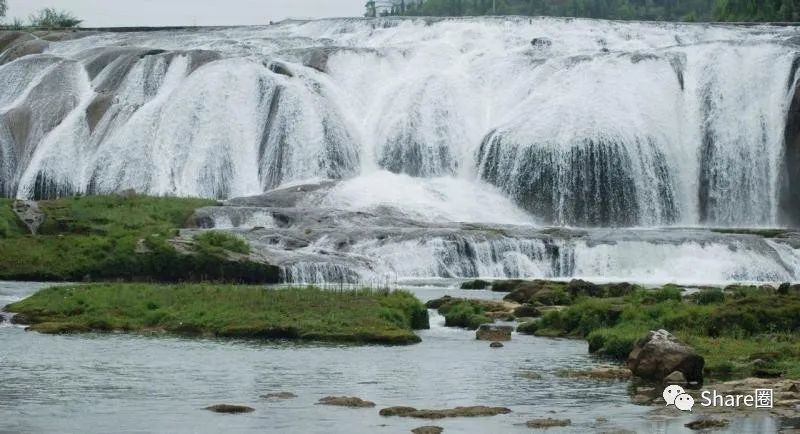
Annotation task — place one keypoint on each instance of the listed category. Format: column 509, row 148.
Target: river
column 126, row 383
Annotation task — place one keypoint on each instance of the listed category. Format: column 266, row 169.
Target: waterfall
column 609, row 124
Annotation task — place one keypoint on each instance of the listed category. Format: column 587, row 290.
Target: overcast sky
column 109, row 13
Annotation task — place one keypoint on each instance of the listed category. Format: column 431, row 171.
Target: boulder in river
column 428, row 430
column 346, row 401
column 527, row 311
column 541, row 42
column 659, row 354
column 496, row 345
column 230, row 409
column 491, row 332
column 475, row 284
column 548, row 423
column 473, row 411
column 20, row 319
column 279, row 395
column 707, row 424
column 577, row 287
column 606, row 372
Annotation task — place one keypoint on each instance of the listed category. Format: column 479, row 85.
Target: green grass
column 215, row 242
column 730, row 329
column 10, row 226
column 362, row 316
column 97, row 238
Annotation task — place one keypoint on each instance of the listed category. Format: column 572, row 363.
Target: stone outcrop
column 346, row 401
column 428, row 430
column 495, row 333
column 659, row 354
column 28, row 213
column 790, row 179
column 548, row 423
column 279, row 395
column 230, row 409
column 473, row 411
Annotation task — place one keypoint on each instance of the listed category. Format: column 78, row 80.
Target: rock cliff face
column 790, row 185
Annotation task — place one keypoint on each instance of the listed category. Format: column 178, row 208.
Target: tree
column 51, row 18
column 371, row 11
column 3, row 8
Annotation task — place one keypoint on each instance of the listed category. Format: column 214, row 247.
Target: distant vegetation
column 661, row 10
column 51, row 18
column 46, row 18
column 361, row 316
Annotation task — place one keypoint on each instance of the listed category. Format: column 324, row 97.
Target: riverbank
column 125, row 236
column 741, row 331
column 309, row 314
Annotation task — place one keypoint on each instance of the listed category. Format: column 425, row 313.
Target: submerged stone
column 473, row 411
column 230, row 409
column 548, row 423
column 346, row 401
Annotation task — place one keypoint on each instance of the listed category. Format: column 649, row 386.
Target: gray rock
column 29, row 214
column 230, row 409
column 496, row 345
column 541, row 42
column 22, row 49
column 346, row 401
column 659, row 354
column 676, row 377
column 548, row 423
column 279, row 395
column 495, row 333
column 428, row 430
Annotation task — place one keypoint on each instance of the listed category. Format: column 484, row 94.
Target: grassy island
column 361, row 316
column 741, row 331
column 97, row 238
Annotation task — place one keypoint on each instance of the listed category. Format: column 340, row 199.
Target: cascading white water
column 599, row 123
column 484, row 121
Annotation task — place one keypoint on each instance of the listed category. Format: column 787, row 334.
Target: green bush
column 51, row 18
column 528, row 328
column 668, row 292
column 464, row 313
column 616, row 342
column 710, row 296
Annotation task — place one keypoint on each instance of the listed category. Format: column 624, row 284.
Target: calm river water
column 122, row 383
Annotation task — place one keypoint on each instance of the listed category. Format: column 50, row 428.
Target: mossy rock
column 475, row 284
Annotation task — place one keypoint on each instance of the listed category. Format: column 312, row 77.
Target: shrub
column 528, row 328
column 616, row 342
column 710, row 296
column 668, row 292
column 463, row 313
column 52, row 18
